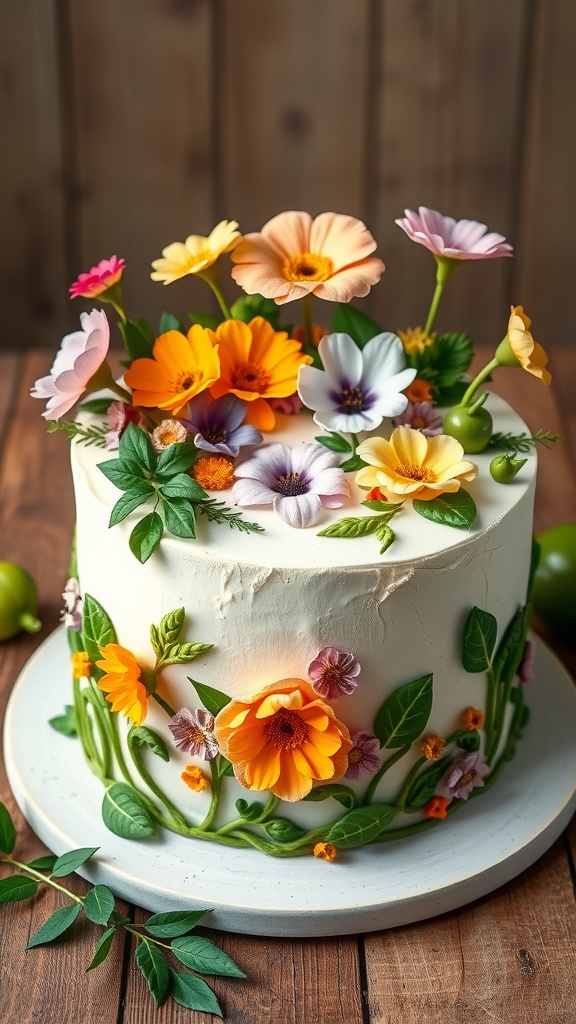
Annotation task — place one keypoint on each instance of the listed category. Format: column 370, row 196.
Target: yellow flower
column 182, row 366
column 519, row 347
column 122, row 682
column 414, row 339
column 410, row 465
column 80, row 664
column 214, row 473
column 196, row 254
column 326, row 851
column 195, row 778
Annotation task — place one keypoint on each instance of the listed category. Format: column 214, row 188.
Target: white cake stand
column 470, row 854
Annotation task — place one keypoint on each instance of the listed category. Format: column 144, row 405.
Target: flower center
column 418, row 423
column 307, row 266
column 355, row 755
column 290, row 485
column 186, row 379
column 352, row 400
column 195, row 735
column 468, row 777
column 215, row 436
column 415, row 472
column 214, row 473
column 286, row 730
column 250, row 377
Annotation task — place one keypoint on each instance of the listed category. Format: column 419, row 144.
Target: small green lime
column 472, row 429
column 554, row 592
column 18, row 601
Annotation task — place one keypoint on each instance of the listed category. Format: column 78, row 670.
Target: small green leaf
column 360, row 826
column 7, row 830
column 103, row 947
column 66, row 723
column 99, row 904
column 171, row 626
column 456, row 509
column 335, row 442
column 347, row 319
column 98, row 406
column 183, row 486
column 201, row 955
column 146, row 536
column 205, row 320
column 250, row 812
column 225, row 767
column 479, row 640
column 154, row 967
column 385, row 534
column 17, row 887
column 168, row 322
column 43, row 863
column 404, row 714
column 125, row 813
column 450, row 355
column 142, row 736
column 213, row 700
column 352, row 465
column 343, row 794
column 180, row 654
column 125, row 474
column 359, row 526
column 193, row 993
column 130, row 500
column 173, row 923
column 424, row 786
column 470, row 742
column 376, row 506
column 138, row 342
column 179, row 517
column 70, row 862
column 249, row 306
column 136, row 446
column 177, row 458
column 283, row 830
column 97, row 629
column 56, row 925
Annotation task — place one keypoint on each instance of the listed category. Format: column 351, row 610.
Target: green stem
column 308, row 323
column 111, row 726
column 216, row 787
column 478, row 380
column 105, row 758
column 7, row 859
column 85, row 731
column 401, row 801
column 211, row 279
column 267, row 810
column 163, row 704
column 154, row 787
column 384, row 767
column 444, row 270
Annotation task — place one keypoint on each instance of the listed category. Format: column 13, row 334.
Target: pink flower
column 81, row 355
column 290, row 406
column 454, row 239
column 525, row 672
column 119, row 416
column 294, row 256
column 466, row 772
column 100, row 277
column 421, row 416
column 193, row 732
column 333, row 673
column 363, row 755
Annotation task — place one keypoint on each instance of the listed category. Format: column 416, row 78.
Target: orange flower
column 432, row 747
column 437, row 807
column 195, row 778
column 418, row 391
column 294, row 256
column 214, row 473
column 283, row 739
column 472, row 719
column 519, row 347
column 257, row 363
column 326, row 851
column 318, row 332
column 182, row 366
column 410, row 465
column 80, row 664
column 122, row 682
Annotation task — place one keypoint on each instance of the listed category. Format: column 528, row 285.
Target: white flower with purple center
column 297, row 482
column 193, row 732
column 363, row 756
column 421, row 416
column 334, row 673
column 466, row 772
column 357, row 387
column 218, row 424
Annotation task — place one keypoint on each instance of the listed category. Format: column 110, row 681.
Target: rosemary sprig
column 218, row 512
column 94, row 435
column 523, row 442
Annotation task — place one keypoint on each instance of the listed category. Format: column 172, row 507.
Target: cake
column 299, row 602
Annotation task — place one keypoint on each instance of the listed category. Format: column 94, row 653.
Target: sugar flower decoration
column 193, row 732
column 297, row 482
column 75, row 370
column 466, row 772
column 168, row 432
column 473, row 718
column 122, row 682
column 213, row 473
column 437, row 807
column 182, row 366
column 526, row 668
column 196, row 254
column 218, row 424
column 81, row 666
column 294, row 256
column 195, row 778
column 119, row 416
column 410, row 465
column 99, row 278
column 432, row 747
column 455, row 239
column 519, row 347
column 334, row 673
column 363, row 756
column 72, row 612
column 421, row 416
column 419, row 391
column 325, row 851
column 283, row 739
column 357, row 388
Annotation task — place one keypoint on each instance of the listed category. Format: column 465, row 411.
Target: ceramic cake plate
column 381, row 886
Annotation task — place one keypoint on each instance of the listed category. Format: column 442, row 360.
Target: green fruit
column 18, row 601
column 472, row 428
column 504, row 468
column 554, row 591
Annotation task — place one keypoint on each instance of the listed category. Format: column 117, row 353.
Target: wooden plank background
column 127, row 126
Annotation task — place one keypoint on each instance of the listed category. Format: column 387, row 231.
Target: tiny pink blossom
column 193, row 732
column 119, row 416
column 102, row 276
column 333, row 673
column 466, row 772
column 454, row 239
column 72, row 611
column 290, row 406
column 363, row 756
column 81, row 355
column 421, row 416
column 525, row 672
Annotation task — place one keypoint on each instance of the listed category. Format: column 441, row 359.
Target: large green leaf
column 404, row 714
column 99, row 904
column 135, row 444
column 511, row 647
column 479, row 640
column 97, row 629
column 7, row 830
column 169, row 322
column 179, row 517
column 103, row 947
column 343, row 794
column 125, row 813
column 70, row 862
column 457, row 510
column 16, row 888
column 129, row 501
column 347, row 319
column 56, row 925
column 201, row 955
column 360, row 826
column 146, row 536
column 154, row 967
column 173, row 923
column 177, row 458
column 138, row 343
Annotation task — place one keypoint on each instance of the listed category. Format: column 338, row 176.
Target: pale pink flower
column 466, row 772
column 525, row 673
column 102, row 276
column 363, row 756
column 81, row 355
column 193, row 733
column 119, row 416
column 421, row 416
column 454, row 239
column 290, row 406
column 333, row 673
column 294, row 256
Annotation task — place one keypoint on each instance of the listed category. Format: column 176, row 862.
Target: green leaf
column 335, row 442
column 360, row 826
column 453, row 395
column 66, row 723
column 225, row 767
column 479, row 640
column 404, row 714
column 99, row 904
column 349, row 320
column 138, row 342
column 179, row 517
column 470, row 742
column 7, row 830
column 535, row 554
column 450, row 355
column 511, row 647
column 136, row 446
column 129, row 501
column 173, row 923
column 213, row 700
column 424, row 786
column 17, row 887
column 56, row 925
column 103, row 947
column 375, row 505
column 98, row 406
column 205, row 320
column 193, row 993
column 142, row 736
column 125, row 474
column 183, row 486
column 171, row 626
column 154, row 967
column 201, row 955
column 43, row 863
column 456, row 509
column 97, row 630
column 125, row 813
column 146, row 536
column 70, row 862
column 177, row 458
column 168, row 322
column 250, row 812
column 283, row 830
column 352, row 464
column 180, row 654
column 248, row 306
column 359, row 526
column 343, row 794
column 385, row 534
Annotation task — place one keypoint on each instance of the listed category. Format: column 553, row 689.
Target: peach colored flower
column 75, row 369
column 523, row 348
column 182, row 366
column 102, row 276
column 294, row 256
column 196, row 254
column 283, row 739
column 411, row 465
column 122, row 682
column 257, row 363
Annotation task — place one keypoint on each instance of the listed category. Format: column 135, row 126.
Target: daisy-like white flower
column 297, row 482
column 357, row 388
column 421, row 416
column 466, row 772
column 453, row 239
column 75, row 369
column 333, row 672
column 193, row 732
column 363, row 756
column 218, row 424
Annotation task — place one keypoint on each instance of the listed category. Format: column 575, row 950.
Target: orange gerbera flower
column 294, row 256
column 283, row 739
column 411, row 465
column 122, row 682
column 182, row 366
column 257, row 363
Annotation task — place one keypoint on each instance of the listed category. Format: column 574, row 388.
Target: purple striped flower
column 193, row 732
column 363, row 756
column 466, row 772
column 333, row 673
column 421, row 416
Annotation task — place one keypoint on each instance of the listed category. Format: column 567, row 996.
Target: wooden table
column 507, row 959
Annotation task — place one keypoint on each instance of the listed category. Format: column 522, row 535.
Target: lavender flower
column 193, row 732
column 219, row 424
column 297, row 482
column 363, row 755
column 72, row 611
column 333, row 673
column 421, row 416
column 357, row 388
column 465, row 773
